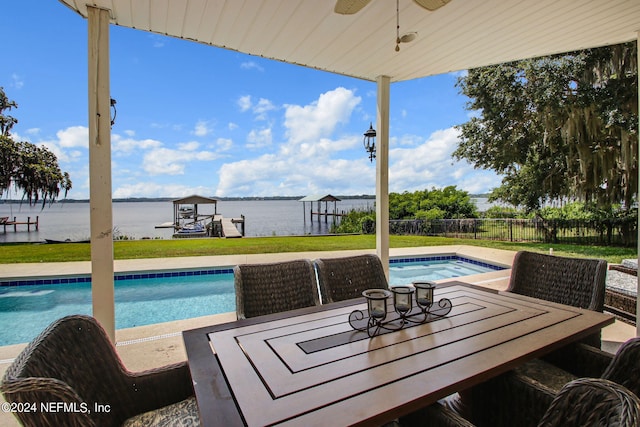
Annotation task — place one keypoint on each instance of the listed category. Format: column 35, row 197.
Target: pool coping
column 219, row 270
column 26, row 271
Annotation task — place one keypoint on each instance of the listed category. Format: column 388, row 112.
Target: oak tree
column 25, row 166
column 557, row 127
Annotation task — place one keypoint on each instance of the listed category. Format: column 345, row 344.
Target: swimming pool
column 29, row 306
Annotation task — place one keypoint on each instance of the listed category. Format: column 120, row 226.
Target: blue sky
column 197, row 119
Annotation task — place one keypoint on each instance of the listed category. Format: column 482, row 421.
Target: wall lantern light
column 370, row 142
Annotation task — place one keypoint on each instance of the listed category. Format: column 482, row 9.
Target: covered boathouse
column 319, row 212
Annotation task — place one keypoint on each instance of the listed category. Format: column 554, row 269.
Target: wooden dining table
column 309, row 367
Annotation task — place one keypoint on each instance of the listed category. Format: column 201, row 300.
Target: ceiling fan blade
column 349, row 7
column 431, row 4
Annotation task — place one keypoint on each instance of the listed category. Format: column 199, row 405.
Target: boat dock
column 188, row 221
column 319, row 212
column 4, row 221
column 218, row 227
column 229, row 228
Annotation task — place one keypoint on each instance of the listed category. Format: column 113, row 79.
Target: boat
column 192, row 228
column 186, row 211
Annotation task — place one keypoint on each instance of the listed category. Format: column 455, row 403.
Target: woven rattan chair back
column 624, row 368
column 272, row 288
column 578, row 282
column 73, row 362
column 345, row 278
column 593, row 402
column 572, row 281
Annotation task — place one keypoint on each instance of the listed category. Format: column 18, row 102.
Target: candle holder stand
column 405, row 313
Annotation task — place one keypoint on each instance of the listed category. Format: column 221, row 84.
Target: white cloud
column 74, row 136
column 423, row 166
column 270, row 174
column 202, row 128
column 308, row 162
column 166, row 161
column 17, row 81
column 251, row 65
column 189, row 146
column 244, row 102
column 128, row 145
column 157, row 40
column 223, row 144
column 323, row 148
column 320, row 118
column 478, row 182
column 430, row 165
column 259, row 138
column 262, row 108
column 405, row 141
column 153, row 189
column 67, row 144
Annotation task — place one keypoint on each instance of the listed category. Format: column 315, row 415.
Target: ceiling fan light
column 432, row 4
column 408, row 37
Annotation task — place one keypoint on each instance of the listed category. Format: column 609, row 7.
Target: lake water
column 62, row 221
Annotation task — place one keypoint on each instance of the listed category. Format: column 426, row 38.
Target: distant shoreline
column 168, row 199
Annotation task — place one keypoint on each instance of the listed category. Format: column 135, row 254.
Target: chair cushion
column 181, row 414
column 545, row 373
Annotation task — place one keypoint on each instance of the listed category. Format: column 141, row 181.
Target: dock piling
column 4, row 221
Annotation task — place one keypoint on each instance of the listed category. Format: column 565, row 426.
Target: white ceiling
column 461, row 35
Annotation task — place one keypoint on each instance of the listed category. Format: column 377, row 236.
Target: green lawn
column 136, row 249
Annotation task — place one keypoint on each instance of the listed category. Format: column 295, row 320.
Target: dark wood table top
column 309, row 367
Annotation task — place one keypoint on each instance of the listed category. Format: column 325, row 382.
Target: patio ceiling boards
column 462, row 34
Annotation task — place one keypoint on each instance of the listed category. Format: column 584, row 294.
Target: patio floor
column 152, row 346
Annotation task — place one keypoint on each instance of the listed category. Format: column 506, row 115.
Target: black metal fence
column 610, row 232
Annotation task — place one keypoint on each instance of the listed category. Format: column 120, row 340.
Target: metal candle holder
column 405, row 312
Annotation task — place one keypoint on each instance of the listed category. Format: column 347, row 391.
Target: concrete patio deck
column 151, row 346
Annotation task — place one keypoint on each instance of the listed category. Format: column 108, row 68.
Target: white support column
column 638, row 194
column 382, row 173
column 101, row 215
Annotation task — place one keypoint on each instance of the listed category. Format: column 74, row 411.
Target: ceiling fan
column 349, row 7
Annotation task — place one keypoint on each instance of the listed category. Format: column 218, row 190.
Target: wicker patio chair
column 345, row 278
column 73, row 362
column 577, row 282
column 531, row 386
column 581, row 402
column 271, row 288
column 593, row 402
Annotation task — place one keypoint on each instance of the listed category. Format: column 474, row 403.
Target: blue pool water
column 27, row 307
